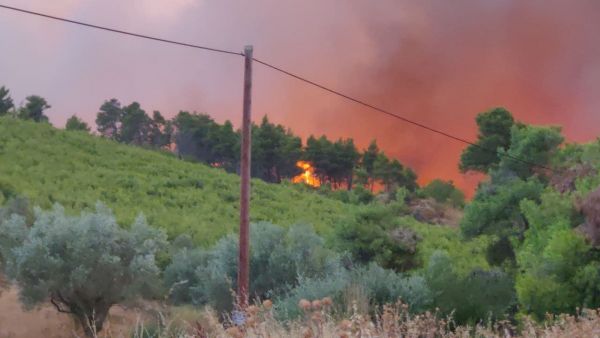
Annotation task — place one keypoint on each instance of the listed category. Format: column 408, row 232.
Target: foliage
column 558, row 269
column 373, row 234
column 34, row 109
column 199, row 137
column 278, row 258
column 371, row 282
column 135, row 125
column 530, row 144
column 180, row 275
column 444, row 192
column 334, row 161
column 369, row 157
column 494, row 135
column 130, row 124
column 590, row 207
column 495, row 208
column 376, row 168
column 6, row 102
column 466, row 255
column 358, row 195
column 17, row 206
column 179, row 196
column 75, row 123
column 84, row 265
column 275, row 152
column 108, row 119
column 480, row 295
column 495, row 211
column 275, row 149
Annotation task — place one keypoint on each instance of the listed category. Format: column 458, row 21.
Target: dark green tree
column 369, row 157
column 494, row 134
column 34, row 109
column 226, row 148
column 160, row 131
column 444, row 192
column 191, row 135
column 75, row 123
column 345, row 159
column 6, row 102
column 108, row 119
column 135, row 125
column 317, row 152
column 495, row 211
column 381, row 170
column 275, row 151
column 334, row 162
column 534, row 146
column 199, row 137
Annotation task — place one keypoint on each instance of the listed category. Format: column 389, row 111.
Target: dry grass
column 317, row 322
column 394, row 321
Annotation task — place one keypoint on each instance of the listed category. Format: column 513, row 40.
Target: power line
column 120, row 31
column 402, row 118
column 281, row 70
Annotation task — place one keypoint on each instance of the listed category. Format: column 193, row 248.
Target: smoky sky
column 436, row 62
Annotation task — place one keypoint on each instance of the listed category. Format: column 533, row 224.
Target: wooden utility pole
column 244, row 255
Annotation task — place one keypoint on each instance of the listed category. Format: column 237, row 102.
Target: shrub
column 83, row 264
column 373, row 234
column 180, row 274
column 473, row 298
column 278, row 259
column 444, row 192
column 371, row 284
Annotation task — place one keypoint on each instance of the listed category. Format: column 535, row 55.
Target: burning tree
column 307, row 176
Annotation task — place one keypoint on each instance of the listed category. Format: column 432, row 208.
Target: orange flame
column 308, row 176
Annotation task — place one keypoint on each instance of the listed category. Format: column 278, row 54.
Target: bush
column 180, row 274
column 17, row 206
column 444, row 192
column 83, row 264
column 278, row 259
column 373, row 234
column 371, row 284
column 481, row 295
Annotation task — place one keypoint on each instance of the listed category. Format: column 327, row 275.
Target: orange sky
column 437, row 62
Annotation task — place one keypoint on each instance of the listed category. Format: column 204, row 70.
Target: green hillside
column 49, row 165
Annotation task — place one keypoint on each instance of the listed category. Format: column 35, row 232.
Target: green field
column 49, row 165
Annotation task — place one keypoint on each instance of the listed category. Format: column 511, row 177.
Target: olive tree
column 82, row 264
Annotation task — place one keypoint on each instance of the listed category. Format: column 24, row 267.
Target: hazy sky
column 438, row 62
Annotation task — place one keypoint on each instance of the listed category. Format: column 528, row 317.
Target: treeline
column 275, row 149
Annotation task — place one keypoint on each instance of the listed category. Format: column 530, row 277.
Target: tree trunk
column 92, row 323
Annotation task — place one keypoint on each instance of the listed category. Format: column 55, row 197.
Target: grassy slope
column 48, row 165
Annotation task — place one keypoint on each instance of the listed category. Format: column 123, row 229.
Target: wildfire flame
column 308, row 176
